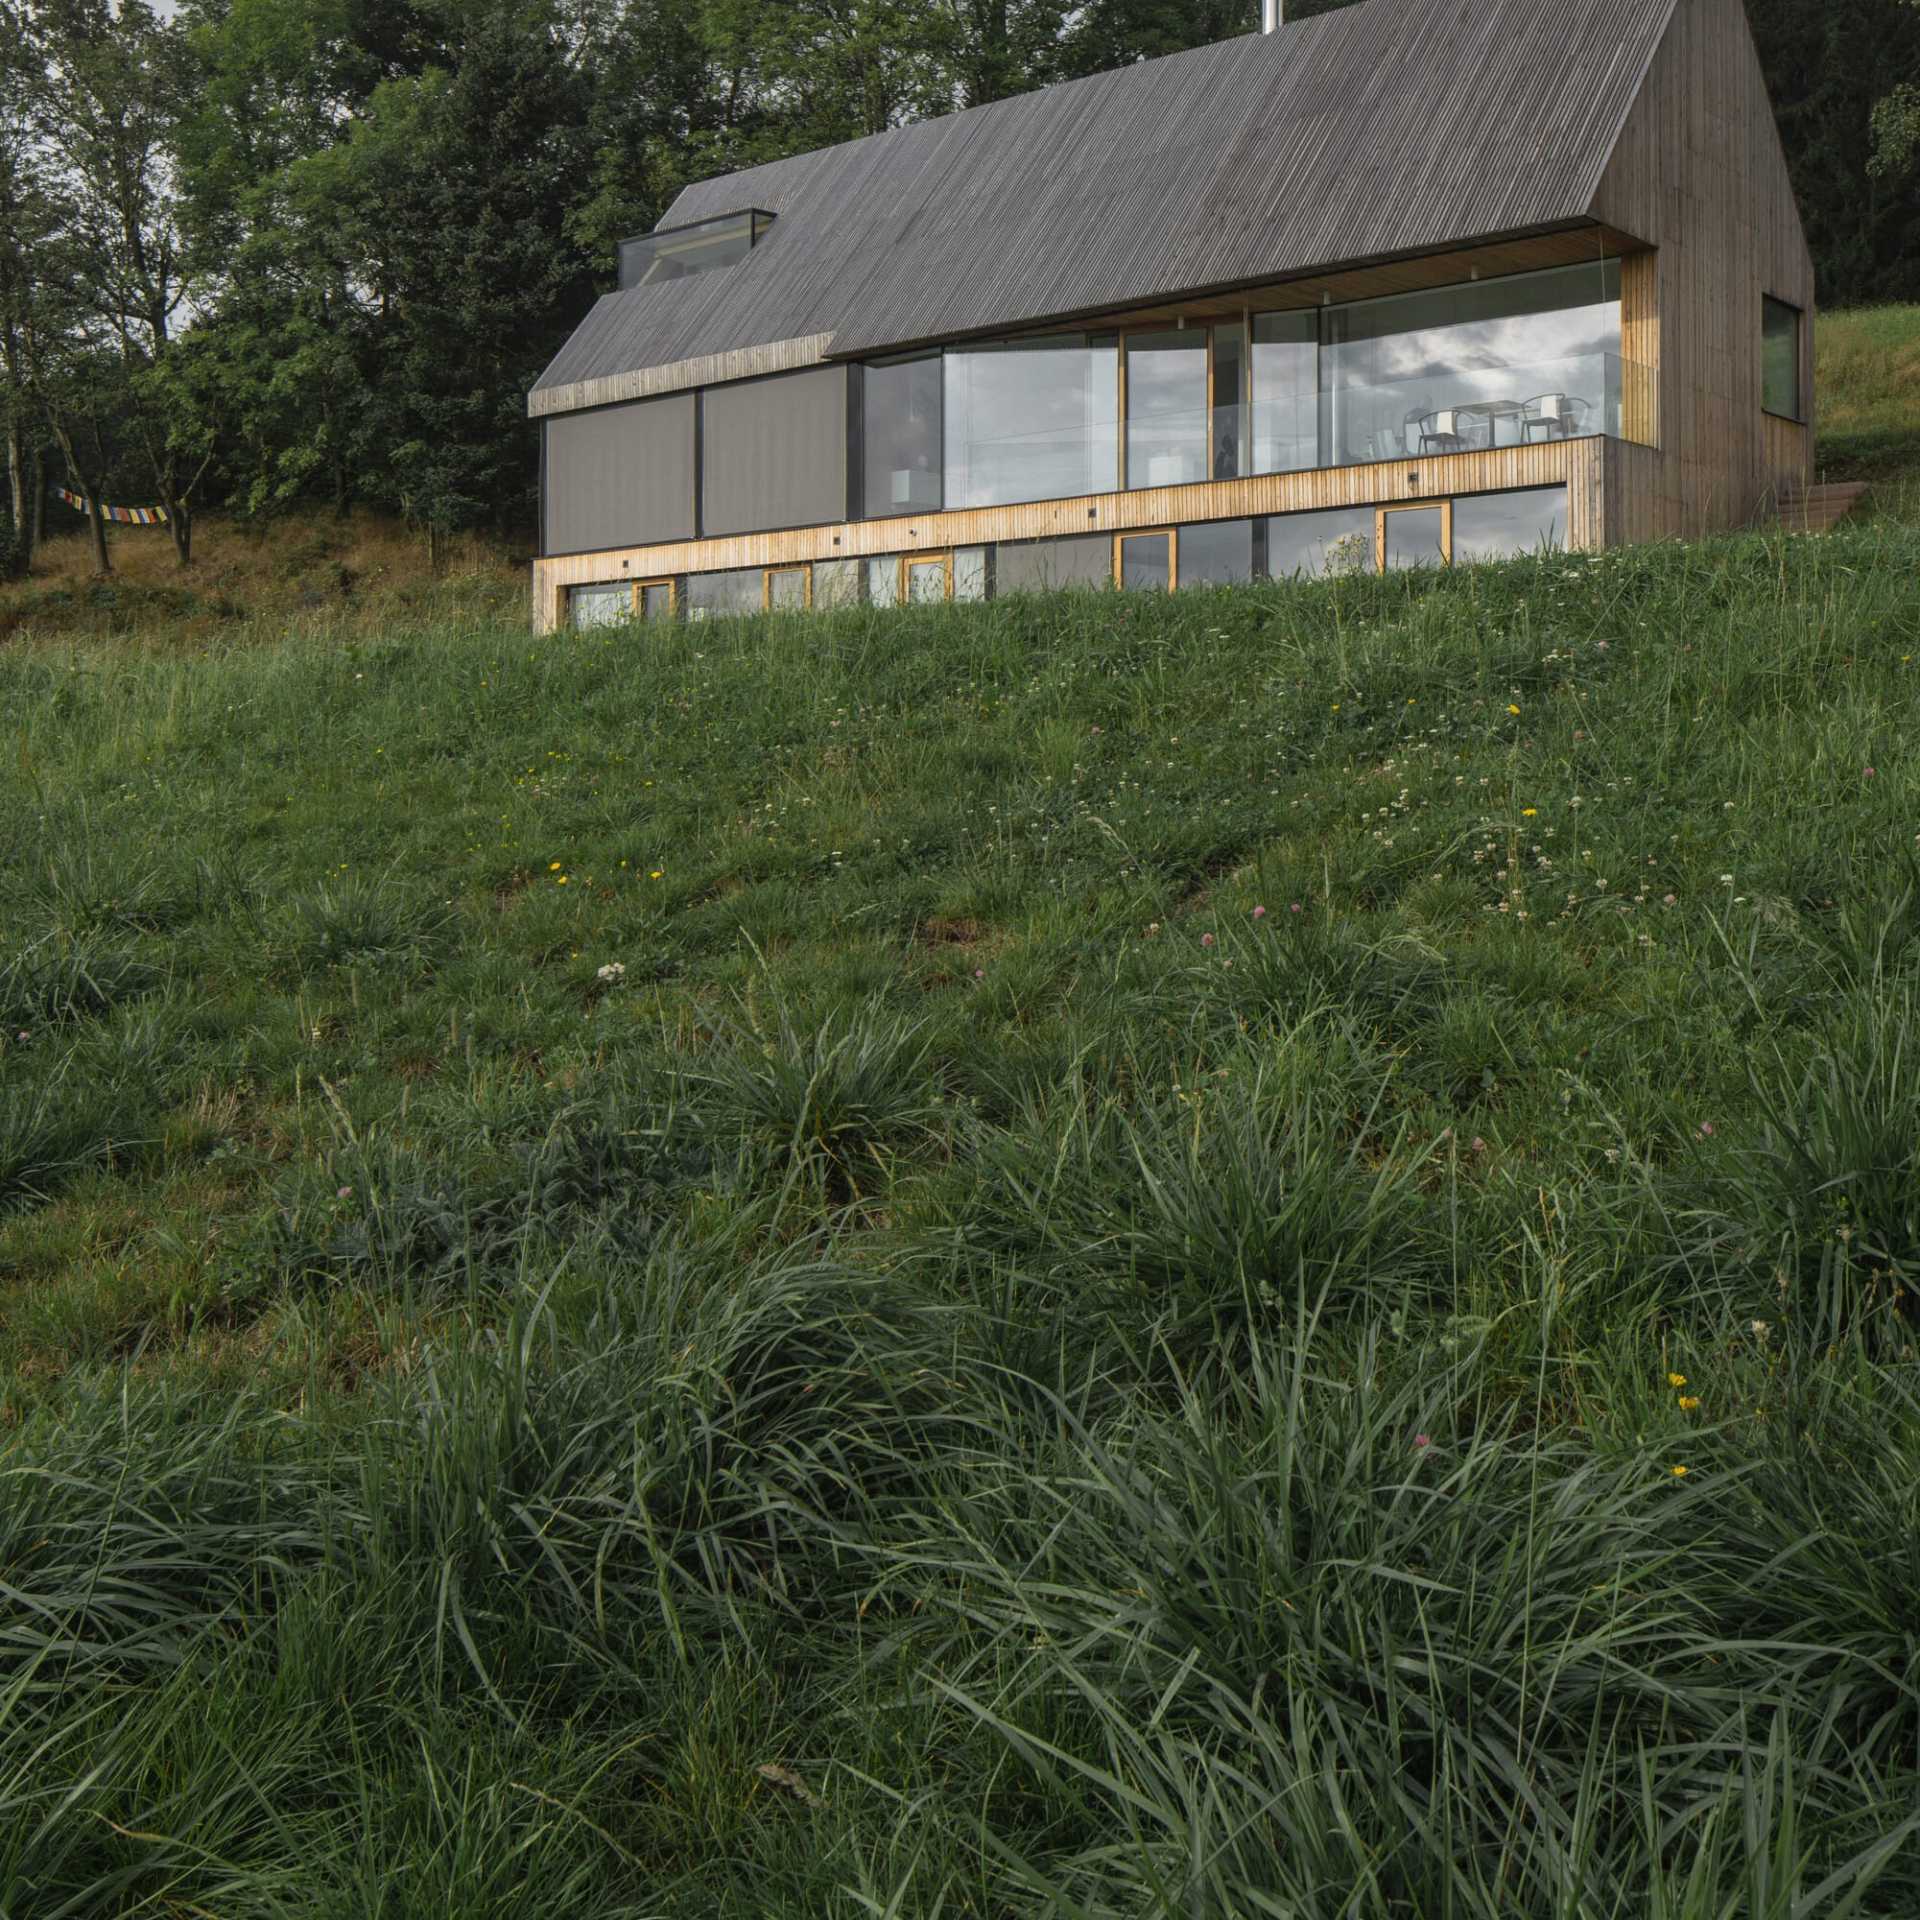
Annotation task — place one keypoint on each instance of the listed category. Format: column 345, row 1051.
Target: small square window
column 1780, row 359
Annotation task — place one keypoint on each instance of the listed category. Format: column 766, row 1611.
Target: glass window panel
column 901, row 436
column 1286, row 392
column 1037, row 420
column 836, row 583
column 926, row 581
column 1414, row 538
column 1216, row 553
column 786, row 588
column 1146, row 562
column 1780, row 358
column 1337, row 541
column 1229, row 439
column 656, row 600
column 709, row 595
column 1166, row 408
column 699, row 248
column 600, row 606
column 970, row 573
column 883, row 581
column 1496, row 526
column 1077, row 560
column 1463, row 367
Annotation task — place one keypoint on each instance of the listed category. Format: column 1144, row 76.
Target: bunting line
column 126, row 516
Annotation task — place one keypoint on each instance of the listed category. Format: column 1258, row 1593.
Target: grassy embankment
column 1248, row 1254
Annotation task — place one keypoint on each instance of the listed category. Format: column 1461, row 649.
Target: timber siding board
column 1427, row 480
column 1698, row 171
column 1390, row 128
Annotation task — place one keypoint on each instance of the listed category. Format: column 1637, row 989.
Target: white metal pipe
column 1272, row 12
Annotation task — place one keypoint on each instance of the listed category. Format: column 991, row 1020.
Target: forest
column 262, row 257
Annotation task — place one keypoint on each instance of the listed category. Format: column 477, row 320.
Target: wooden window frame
column 671, row 581
column 1148, row 533
column 1444, row 503
column 908, row 561
column 802, row 567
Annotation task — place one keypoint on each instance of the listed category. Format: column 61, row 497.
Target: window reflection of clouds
column 1035, row 421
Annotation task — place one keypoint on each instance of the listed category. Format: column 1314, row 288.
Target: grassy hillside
column 1867, row 383
column 1099, row 1256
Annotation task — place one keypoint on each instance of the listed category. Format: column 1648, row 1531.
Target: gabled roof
column 1390, row 127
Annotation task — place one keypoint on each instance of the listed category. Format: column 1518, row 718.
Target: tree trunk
column 38, row 536
column 436, row 548
column 96, row 520
column 180, row 525
column 17, row 499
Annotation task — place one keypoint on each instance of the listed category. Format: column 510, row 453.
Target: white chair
column 1547, row 416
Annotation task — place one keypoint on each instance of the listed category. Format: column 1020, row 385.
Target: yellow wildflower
column 1527, row 813
column 1688, row 1402
column 1676, row 1379
column 1511, row 708
column 553, row 866
column 659, row 873
column 1679, row 1473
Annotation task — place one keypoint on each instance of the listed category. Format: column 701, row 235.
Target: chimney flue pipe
column 1270, row 14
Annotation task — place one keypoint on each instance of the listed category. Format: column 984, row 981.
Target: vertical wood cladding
column 1699, row 172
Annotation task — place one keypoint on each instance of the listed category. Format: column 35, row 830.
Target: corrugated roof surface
column 1388, row 127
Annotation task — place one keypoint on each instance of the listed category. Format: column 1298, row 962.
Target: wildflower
column 611, row 973
column 1759, row 1329
column 1479, row 1145
column 562, row 881
column 979, row 973
column 659, row 873
column 1679, row 1473
column 1206, row 939
column 1706, row 1129
column 1295, row 908
column 1527, row 813
column 1422, row 1440
column 1511, row 708
column 553, row 866
column 1259, row 913
column 1688, row 1401
column 1869, row 773
column 1676, row 1379
column 345, row 1193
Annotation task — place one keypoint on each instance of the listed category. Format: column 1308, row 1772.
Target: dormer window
column 672, row 253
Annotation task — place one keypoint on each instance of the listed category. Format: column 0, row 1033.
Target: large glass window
column 1032, row 420
column 1229, row 403
column 1286, row 392
column 883, row 580
column 675, row 252
column 1497, row 526
column 600, row 606
column 1166, row 408
column 1146, row 562
column 970, row 573
column 1413, row 537
column 1337, row 541
column 1216, row 553
column 1491, row 363
column 1078, row 560
column 836, row 583
column 901, row 436
column 710, row 595
column 1780, row 358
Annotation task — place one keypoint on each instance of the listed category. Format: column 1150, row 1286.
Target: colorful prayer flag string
column 126, row 516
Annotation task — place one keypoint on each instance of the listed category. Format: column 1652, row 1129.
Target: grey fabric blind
column 621, row 477
column 773, row 453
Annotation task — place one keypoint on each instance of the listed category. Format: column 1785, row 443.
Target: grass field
column 1248, row 1255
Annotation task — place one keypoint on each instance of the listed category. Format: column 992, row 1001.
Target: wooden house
column 1415, row 282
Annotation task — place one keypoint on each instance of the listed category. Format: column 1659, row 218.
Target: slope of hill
column 1867, row 376
column 1100, row 1256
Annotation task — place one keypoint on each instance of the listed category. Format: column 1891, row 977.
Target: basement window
column 1780, row 358
column 676, row 253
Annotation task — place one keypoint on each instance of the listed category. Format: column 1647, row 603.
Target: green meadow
column 1095, row 1256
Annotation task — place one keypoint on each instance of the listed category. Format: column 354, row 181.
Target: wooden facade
column 1698, row 175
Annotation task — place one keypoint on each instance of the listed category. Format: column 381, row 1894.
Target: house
column 1419, row 281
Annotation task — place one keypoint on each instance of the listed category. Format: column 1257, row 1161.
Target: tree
column 113, row 81
column 1896, row 127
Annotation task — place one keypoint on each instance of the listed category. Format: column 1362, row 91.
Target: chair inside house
column 1550, row 416
column 1442, row 432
